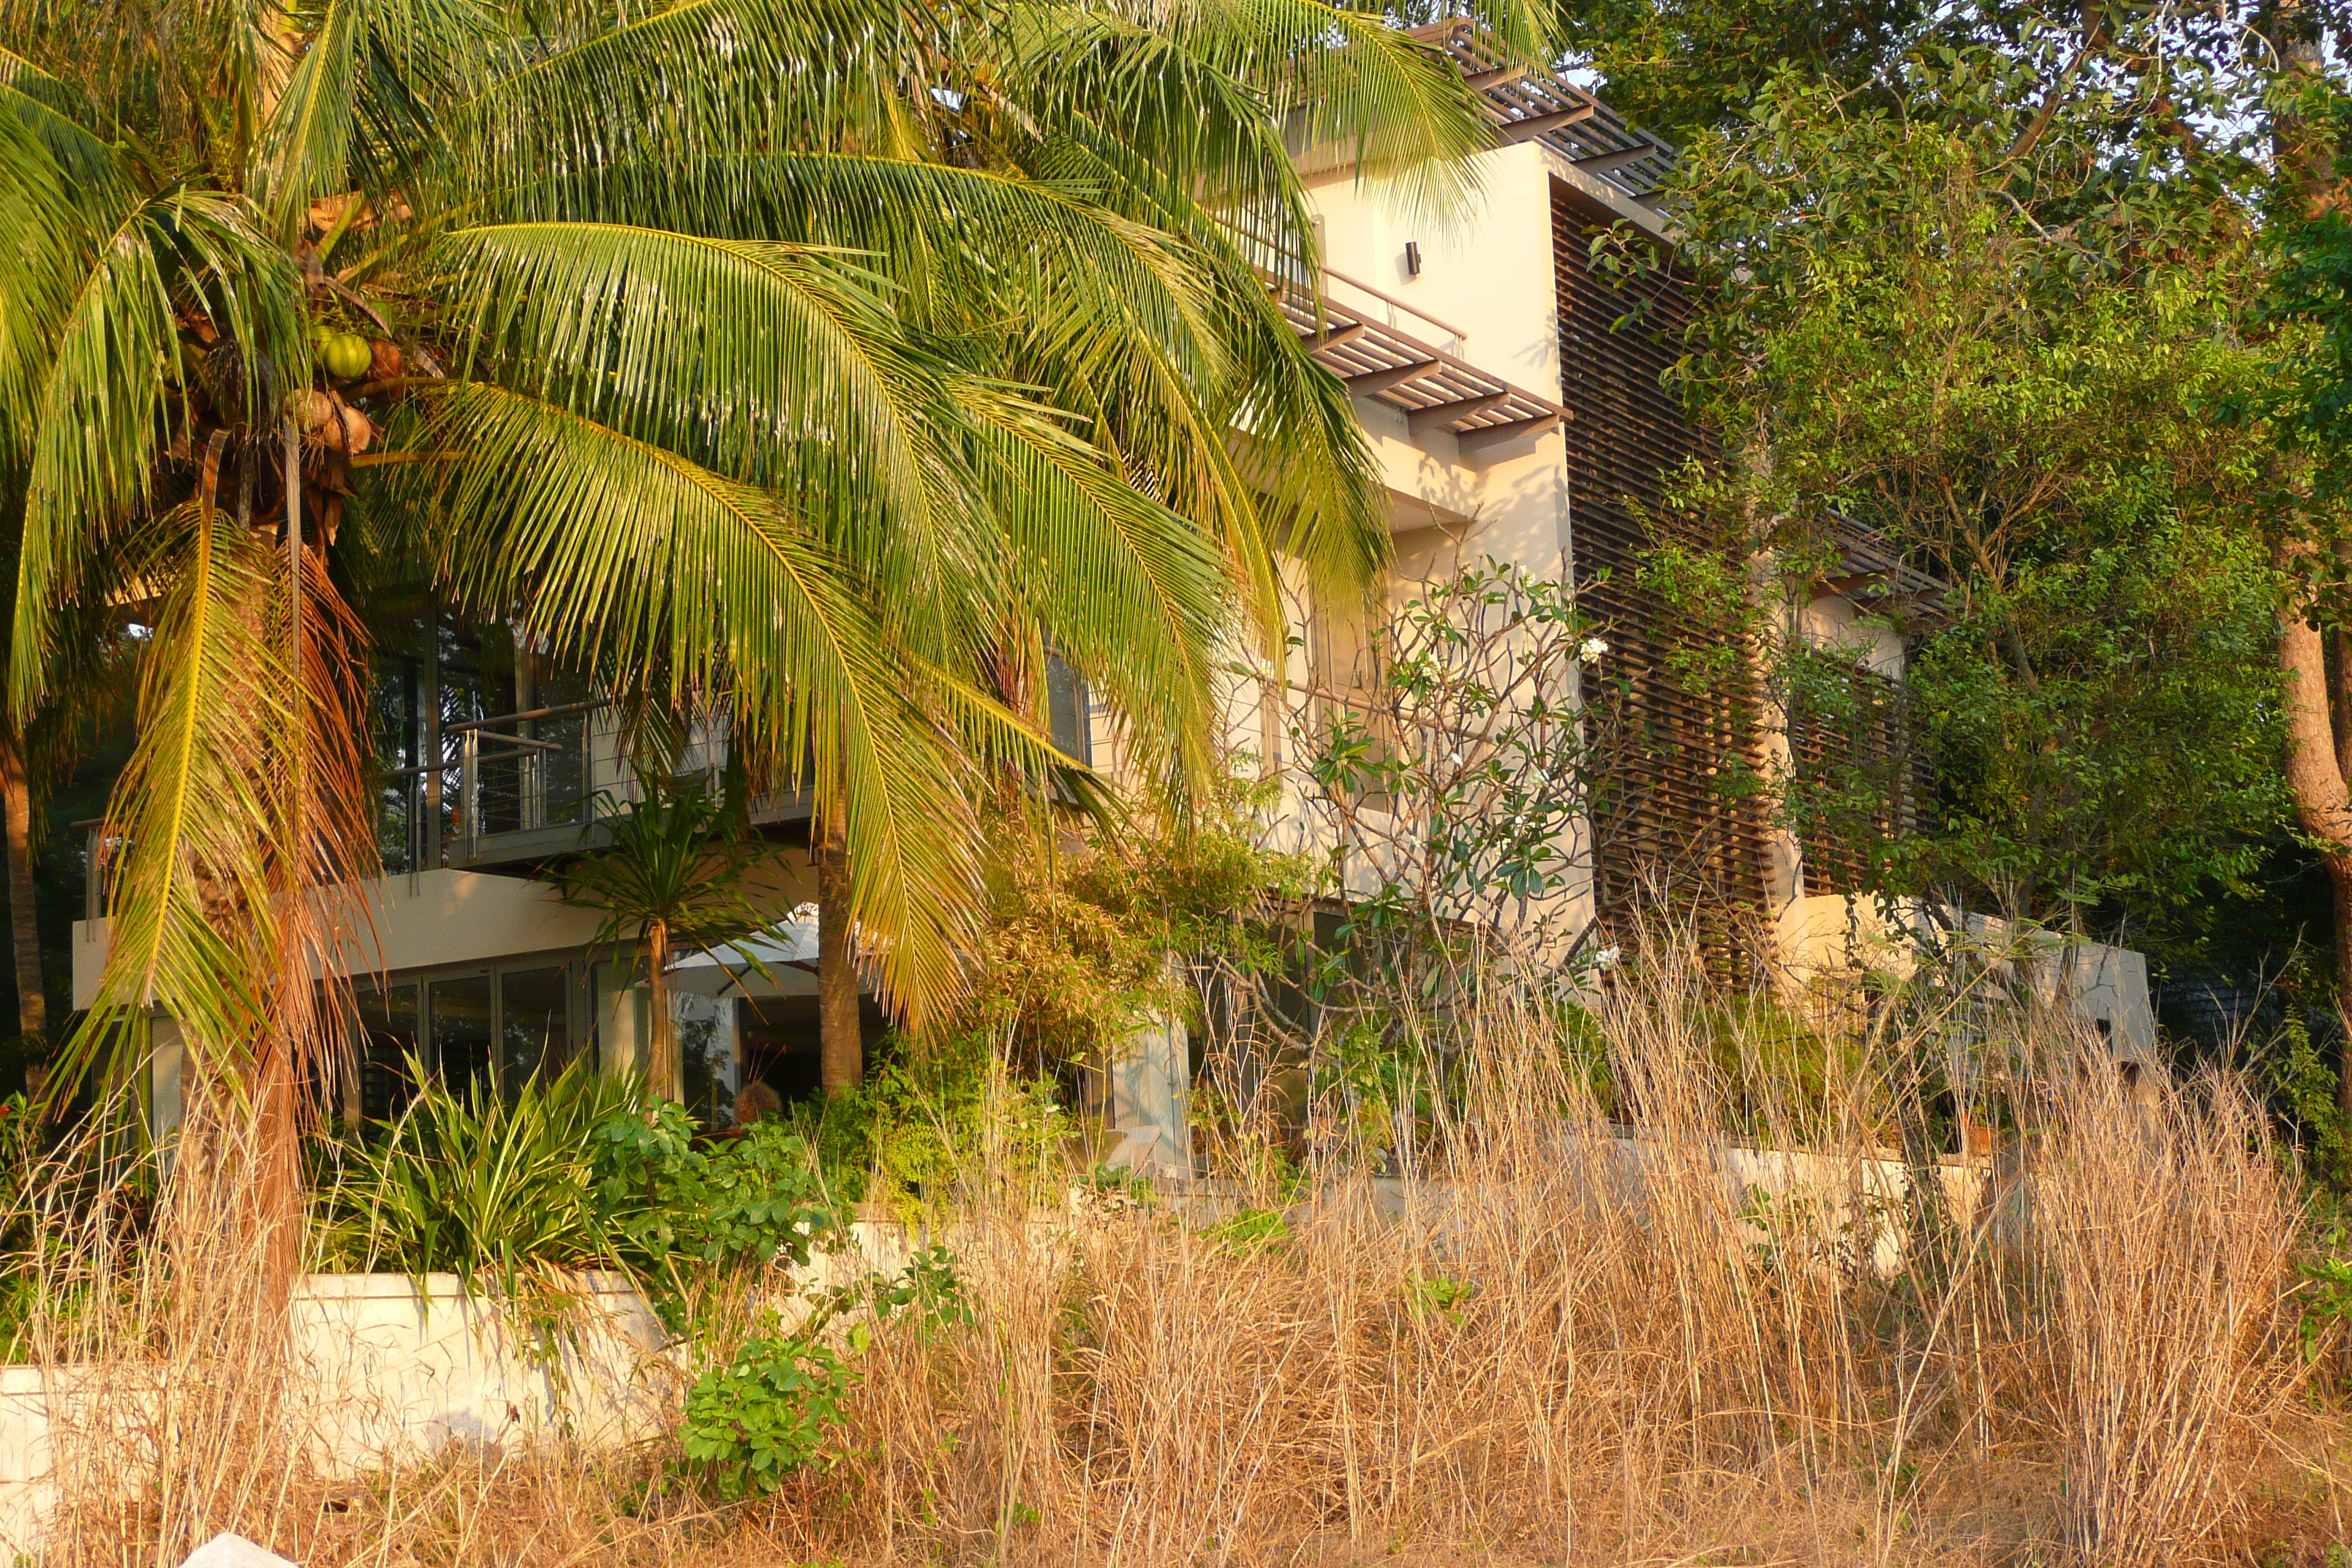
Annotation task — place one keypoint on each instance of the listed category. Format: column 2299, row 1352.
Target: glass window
column 462, row 1038
column 706, row 1055
column 534, row 1024
column 1066, row 710
column 387, row 1024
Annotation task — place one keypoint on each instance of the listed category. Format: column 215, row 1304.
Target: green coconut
column 344, row 355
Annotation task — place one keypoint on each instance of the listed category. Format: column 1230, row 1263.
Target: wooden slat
column 1670, row 813
column 1872, row 744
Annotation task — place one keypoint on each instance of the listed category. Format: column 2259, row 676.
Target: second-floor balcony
column 509, row 790
column 1381, row 348
column 517, row 787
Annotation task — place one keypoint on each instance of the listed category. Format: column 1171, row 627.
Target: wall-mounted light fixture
column 1412, row 259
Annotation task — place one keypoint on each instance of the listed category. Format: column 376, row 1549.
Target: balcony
column 509, row 790
column 1354, row 331
column 517, row 787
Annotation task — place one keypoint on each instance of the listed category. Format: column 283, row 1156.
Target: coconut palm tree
column 815, row 361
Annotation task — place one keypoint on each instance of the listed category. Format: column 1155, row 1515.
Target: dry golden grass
column 1559, row 1345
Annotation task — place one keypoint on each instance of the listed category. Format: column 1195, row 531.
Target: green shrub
column 673, row 1205
column 472, row 1184
column 752, row 1422
column 764, row 1413
column 911, row 1130
column 577, row 1172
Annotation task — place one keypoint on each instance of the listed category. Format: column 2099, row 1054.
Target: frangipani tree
column 815, row 361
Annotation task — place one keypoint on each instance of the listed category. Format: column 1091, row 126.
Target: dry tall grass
column 1570, row 1339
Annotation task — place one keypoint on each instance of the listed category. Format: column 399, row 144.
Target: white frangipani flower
column 1590, row 650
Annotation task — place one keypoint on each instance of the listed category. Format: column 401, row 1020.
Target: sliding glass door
column 479, row 1030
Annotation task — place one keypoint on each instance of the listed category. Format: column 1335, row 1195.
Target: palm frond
column 1129, row 591
column 357, row 113
column 306, row 147
column 37, row 271
column 573, row 109
column 102, row 402
column 61, row 120
column 775, row 365
column 194, row 924
column 629, row 558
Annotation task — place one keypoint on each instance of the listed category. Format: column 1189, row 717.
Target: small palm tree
column 672, row 879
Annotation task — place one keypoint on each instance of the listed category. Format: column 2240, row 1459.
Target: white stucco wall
column 2101, row 989
column 1487, row 270
column 378, row 1371
column 416, row 922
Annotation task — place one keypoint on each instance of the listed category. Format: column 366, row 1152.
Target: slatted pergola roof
column 1539, row 105
column 1433, row 389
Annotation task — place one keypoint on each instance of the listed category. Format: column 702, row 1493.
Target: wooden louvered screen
column 1855, row 778
column 1670, row 814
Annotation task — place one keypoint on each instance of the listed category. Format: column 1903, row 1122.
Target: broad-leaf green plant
column 766, row 1411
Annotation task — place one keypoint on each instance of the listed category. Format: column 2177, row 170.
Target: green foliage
column 678, row 1204
column 1435, row 1296
column 1674, row 68
column 2313, row 286
column 576, row 1171
column 765, row 1413
column 474, row 1184
column 2019, row 363
column 915, row 1129
column 1079, row 940
column 2326, row 1300
column 1461, row 778
column 1474, row 731
column 2303, row 1080
column 677, row 859
column 1248, row 1232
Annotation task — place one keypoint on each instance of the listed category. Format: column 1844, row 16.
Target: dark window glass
column 462, row 1040
column 706, row 1051
column 388, row 1020
column 534, row 1024
column 1066, row 710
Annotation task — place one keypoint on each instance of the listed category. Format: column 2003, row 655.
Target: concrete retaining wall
column 384, row 1370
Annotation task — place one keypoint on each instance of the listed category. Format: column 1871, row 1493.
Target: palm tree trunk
column 661, row 1058
column 24, row 929
column 840, row 1038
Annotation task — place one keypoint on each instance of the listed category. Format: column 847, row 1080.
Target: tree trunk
column 24, row 929
column 2304, row 157
column 661, row 1055
column 839, row 1031
column 2322, row 801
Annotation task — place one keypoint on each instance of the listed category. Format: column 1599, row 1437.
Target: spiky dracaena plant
column 814, row 361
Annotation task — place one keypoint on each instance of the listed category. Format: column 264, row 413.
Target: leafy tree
column 1680, row 67
column 2013, row 350
column 1461, row 784
column 807, row 361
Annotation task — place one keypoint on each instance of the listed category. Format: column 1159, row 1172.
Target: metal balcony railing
column 509, row 787
column 507, row 775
